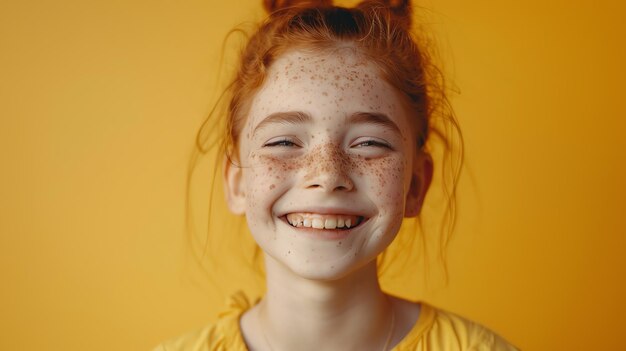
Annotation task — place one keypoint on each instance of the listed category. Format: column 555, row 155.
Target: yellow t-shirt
column 435, row 330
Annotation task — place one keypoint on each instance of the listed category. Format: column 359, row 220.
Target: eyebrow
column 380, row 119
column 291, row 117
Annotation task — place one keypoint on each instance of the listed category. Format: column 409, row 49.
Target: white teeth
column 307, row 222
column 330, row 223
column 295, row 220
column 317, row 221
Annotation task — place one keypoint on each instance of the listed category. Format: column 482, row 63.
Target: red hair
column 376, row 29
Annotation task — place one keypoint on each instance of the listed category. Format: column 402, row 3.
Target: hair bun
column 275, row 5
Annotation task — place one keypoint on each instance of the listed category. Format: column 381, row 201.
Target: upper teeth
column 318, row 221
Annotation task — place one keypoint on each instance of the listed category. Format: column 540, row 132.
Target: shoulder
column 454, row 332
column 438, row 329
column 224, row 334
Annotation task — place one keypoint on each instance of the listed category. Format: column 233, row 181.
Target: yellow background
column 100, row 101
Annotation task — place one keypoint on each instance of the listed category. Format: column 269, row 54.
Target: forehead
column 333, row 84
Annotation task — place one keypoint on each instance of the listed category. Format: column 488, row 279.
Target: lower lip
column 324, row 234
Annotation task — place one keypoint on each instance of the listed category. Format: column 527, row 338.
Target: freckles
column 324, row 158
column 384, row 171
column 278, row 168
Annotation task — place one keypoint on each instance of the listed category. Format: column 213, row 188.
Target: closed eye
column 284, row 142
column 372, row 142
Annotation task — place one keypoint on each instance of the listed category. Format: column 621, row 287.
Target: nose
column 328, row 168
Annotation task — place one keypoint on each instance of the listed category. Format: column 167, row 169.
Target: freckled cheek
column 266, row 176
column 385, row 177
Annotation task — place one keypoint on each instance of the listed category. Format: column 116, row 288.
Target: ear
column 421, row 176
column 234, row 188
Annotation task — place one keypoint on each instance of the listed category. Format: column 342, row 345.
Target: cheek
column 385, row 180
column 266, row 175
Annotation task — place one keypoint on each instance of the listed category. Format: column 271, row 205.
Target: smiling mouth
column 319, row 221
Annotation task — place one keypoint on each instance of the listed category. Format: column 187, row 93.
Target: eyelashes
column 373, row 143
column 366, row 143
column 283, row 142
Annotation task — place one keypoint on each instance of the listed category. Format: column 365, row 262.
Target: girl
column 328, row 121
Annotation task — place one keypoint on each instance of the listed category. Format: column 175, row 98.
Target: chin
column 326, row 270
column 324, row 274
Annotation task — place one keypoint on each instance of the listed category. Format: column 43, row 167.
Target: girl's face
column 328, row 164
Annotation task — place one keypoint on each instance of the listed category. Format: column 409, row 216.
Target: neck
column 350, row 313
